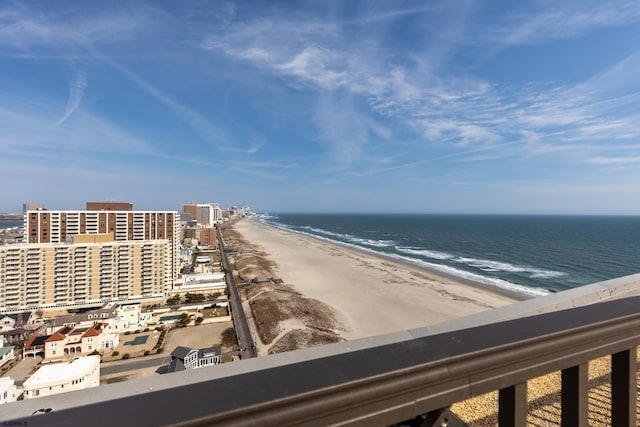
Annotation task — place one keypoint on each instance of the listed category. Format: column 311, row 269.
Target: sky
column 322, row 106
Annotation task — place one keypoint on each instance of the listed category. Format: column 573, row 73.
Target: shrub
column 146, row 330
column 184, row 319
column 159, row 350
column 115, row 353
column 127, row 333
column 147, row 352
column 229, row 338
column 199, row 320
column 126, row 356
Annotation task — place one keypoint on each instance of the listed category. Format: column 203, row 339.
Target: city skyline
column 464, row 107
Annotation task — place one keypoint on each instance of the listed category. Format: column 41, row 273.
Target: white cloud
column 615, row 160
column 565, row 20
column 76, row 91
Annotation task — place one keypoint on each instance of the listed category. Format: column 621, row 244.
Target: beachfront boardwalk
column 245, row 341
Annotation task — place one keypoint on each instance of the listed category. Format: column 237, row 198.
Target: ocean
column 529, row 255
column 4, row 225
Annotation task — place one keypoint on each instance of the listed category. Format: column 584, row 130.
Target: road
column 245, row 341
column 109, row 368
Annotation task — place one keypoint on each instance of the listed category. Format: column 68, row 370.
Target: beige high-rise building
column 89, row 270
column 83, row 258
column 45, row 226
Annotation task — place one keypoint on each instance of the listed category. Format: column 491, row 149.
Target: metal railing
column 378, row 383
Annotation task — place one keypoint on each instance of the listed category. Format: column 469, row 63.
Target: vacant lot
column 195, row 336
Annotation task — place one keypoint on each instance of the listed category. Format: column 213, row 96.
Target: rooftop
column 56, row 372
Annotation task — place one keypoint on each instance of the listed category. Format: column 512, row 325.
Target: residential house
column 68, row 342
column 105, row 314
column 6, row 352
column 16, row 335
column 185, row 358
column 26, row 320
column 117, row 318
column 62, row 377
column 8, row 390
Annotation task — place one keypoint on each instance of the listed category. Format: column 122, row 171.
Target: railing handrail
column 381, row 384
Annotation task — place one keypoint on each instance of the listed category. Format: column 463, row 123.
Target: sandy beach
column 369, row 295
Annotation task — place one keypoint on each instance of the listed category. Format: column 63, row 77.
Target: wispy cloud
column 320, row 92
column 453, row 110
column 569, row 19
column 76, row 91
column 615, row 160
column 90, row 37
column 29, row 129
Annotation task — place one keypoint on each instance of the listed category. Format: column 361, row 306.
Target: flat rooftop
column 56, row 372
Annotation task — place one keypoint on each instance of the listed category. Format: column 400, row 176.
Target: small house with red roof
column 67, row 342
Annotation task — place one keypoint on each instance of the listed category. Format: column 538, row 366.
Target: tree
column 174, row 300
column 194, row 297
column 184, row 319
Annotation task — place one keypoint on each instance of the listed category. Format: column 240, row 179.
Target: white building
column 185, row 358
column 208, row 214
column 6, row 352
column 110, row 341
column 212, row 282
column 58, row 378
column 8, row 390
column 131, row 317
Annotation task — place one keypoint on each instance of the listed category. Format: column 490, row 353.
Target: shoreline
column 370, row 294
column 512, row 294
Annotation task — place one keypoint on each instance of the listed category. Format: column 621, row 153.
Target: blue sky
column 320, row 106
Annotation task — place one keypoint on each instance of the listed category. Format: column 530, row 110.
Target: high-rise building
column 32, row 207
column 109, row 206
column 192, row 209
column 208, row 237
column 90, row 270
column 108, row 252
column 45, row 226
column 208, row 214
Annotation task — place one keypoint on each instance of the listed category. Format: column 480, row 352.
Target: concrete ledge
column 589, row 294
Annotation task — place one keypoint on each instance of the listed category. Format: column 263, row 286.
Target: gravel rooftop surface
column 543, row 395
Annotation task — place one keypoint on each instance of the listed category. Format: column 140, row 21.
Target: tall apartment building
column 208, row 214
column 45, row 226
column 108, row 252
column 89, row 270
column 191, row 209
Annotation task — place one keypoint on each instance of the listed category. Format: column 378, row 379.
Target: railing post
column 623, row 388
column 575, row 396
column 512, row 406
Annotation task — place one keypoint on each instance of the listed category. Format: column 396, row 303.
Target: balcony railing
column 381, row 380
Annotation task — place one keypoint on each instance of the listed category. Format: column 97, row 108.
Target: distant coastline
column 11, row 218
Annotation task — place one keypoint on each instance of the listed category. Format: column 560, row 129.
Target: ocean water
column 4, row 225
column 530, row 255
